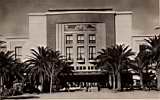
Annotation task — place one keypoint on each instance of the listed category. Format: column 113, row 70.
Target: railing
column 80, row 60
column 70, row 60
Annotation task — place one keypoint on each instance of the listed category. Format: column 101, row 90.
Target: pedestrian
column 99, row 87
column 87, row 87
column 40, row 88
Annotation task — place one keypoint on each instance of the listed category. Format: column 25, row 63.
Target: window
column 92, row 52
column 80, row 38
column 69, row 53
column 69, row 39
column 92, row 38
column 80, row 53
column 18, row 52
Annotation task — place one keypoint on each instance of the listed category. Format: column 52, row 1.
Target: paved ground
column 103, row 94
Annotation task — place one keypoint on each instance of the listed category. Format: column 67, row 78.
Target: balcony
column 70, row 61
column 92, row 60
column 80, row 60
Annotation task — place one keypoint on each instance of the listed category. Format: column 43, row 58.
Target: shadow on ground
column 20, row 97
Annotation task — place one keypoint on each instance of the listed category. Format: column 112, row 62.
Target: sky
column 13, row 13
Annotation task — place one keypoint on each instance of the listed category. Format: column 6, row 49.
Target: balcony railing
column 92, row 60
column 80, row 60
column 70, row 60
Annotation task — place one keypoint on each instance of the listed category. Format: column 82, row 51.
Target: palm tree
column 45, row 64
column 154, row 47
column 104, row 63
column 6, row 62
column 121, row 58
column 10, row 69
column 37, row 66
column 54, row 63
column 116, row 58
column 143, row 59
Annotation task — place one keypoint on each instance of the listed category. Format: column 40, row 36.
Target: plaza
column 103, row 94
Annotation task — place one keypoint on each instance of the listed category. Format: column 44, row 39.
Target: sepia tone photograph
column 79, row 49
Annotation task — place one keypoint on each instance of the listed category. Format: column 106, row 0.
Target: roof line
column 59, row 10
column 79, row 12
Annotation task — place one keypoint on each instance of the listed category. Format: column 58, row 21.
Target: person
column 99, row 87
column 40, row 87
column 87, row 87
column 67, row 86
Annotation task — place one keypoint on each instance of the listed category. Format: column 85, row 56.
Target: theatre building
column 79, row 34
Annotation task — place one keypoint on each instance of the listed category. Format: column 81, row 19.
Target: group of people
column 88, row 86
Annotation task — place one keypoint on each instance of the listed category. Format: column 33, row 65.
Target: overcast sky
column 13, row 13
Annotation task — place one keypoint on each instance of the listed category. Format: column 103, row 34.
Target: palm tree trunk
column 118, row 81
column 158, row 79
column 51, row 82
column 1, row 84
column 42, row 85
column 110, row 80
column 141, row 80
column 114, row 81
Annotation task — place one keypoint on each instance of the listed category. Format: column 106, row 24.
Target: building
column 14, row 42
column 78, row 34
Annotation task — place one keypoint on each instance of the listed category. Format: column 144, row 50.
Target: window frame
column 70, row 53
column 92, row 38
column 80, row 53
column 92, row 52
column 80, row 40
column 69, row 40
column 18, row 56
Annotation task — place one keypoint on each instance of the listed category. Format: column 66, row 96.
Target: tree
column 10, row 69
column 116, row 58
column 45, row 64
column 16, row 72
column 37, row 66
column 104, row 63
column 55, row 66
column 154, row 47
column 6, row 62
column 143, row 59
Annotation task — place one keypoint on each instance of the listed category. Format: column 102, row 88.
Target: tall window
column 69, row 39
column 80, row 53
column 80, row 38
column 18, row 52
column 92, row 52
column 69, row 53
column 92, row 38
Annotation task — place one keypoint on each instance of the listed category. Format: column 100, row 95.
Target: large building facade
column 79, row 34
